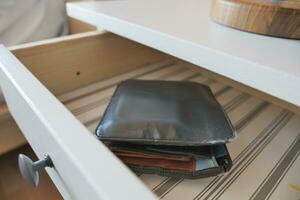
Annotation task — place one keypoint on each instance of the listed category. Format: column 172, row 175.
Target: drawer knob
column 29, row 169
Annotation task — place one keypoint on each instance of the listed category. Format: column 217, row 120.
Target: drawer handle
column 29, row 169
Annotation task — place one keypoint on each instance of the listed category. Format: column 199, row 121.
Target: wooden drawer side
column 66, row 63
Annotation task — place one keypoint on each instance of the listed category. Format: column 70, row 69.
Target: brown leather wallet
column 167, row 128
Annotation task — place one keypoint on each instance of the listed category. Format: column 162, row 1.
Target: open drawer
column 82, row 72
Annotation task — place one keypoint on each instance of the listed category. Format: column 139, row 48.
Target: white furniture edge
column 84, row 167
column 277, row 83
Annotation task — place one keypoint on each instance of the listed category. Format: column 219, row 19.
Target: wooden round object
column 279, row 18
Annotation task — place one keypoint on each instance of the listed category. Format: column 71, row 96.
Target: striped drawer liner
column 266, row 162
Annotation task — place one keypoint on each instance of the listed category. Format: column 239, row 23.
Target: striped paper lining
column 265, row 154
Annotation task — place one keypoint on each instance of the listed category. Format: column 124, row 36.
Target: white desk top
column 182, row 28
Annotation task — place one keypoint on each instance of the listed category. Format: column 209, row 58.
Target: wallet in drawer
column 167, row 128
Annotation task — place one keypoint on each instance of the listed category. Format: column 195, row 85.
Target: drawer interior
column 262, row 128
column 83, row 73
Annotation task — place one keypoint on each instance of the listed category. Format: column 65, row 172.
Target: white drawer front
column 83, row 167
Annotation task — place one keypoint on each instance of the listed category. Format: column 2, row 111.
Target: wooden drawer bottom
column 265, row 154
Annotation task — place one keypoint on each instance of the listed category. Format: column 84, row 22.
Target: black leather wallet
column 168, row 128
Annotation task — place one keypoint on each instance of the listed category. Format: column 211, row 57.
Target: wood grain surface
column 280, row 18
